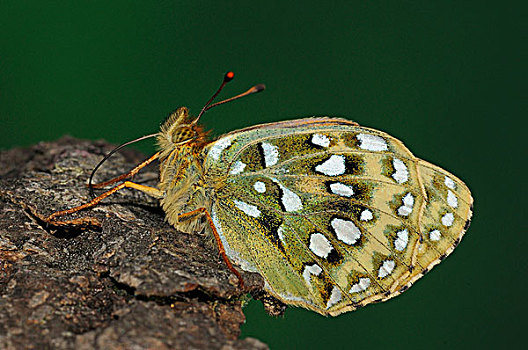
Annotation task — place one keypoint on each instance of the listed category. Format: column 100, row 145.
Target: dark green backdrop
column 446, row 77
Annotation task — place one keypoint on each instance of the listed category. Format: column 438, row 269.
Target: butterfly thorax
column 181, row 144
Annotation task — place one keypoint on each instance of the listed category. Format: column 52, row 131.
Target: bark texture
column 133, row 283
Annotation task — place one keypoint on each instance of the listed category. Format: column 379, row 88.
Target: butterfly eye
column 182, row 135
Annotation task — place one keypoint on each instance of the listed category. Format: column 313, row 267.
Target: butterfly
column 331, row 214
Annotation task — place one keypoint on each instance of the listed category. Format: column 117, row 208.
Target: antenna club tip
column 229, row 76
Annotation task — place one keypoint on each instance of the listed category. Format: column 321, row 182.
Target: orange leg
column 154, row 192
column 129, row 174
column 218, row 241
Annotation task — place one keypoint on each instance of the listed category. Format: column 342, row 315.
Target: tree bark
column 133, row 282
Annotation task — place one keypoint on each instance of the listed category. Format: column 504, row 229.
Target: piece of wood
column 133, row 282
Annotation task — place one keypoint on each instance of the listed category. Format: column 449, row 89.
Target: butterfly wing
column 333, row 215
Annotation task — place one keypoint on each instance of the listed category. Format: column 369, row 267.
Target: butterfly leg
column 129, row 174
column 218, row 241
column 151, row 191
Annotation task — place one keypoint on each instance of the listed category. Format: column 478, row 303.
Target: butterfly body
column 333, row 215
column 182, row 180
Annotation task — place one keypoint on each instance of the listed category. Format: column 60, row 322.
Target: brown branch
column 135, row 281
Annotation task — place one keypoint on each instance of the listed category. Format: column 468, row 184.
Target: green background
column 446, row 77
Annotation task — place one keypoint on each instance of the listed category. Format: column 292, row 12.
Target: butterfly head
column 179, row 129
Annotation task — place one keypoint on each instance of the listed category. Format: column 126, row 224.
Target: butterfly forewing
column 332, row 215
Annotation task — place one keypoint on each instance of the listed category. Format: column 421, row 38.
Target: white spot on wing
column 271, row 154
column 386, row 268
column 401, row 175
column 435, row 235
column 452, row 199
column 372, row 142
column 335, row 297
column 280, row 233
column 290, row 200
column 320, row 140
column 362, row 285
column 449, row 183
column 311, row 270
column 259, row 186
column 345, row 230
column 249, row 209
column 402, row 238
column 366, row 215
column 237, row 168
column 335, row 165
column 407, row 207
column 341, row 189
column 447, row 219
column 320, row 245
column 220, row 145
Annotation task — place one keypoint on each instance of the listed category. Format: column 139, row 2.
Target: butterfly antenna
column 227, row 78
column 92, row 194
